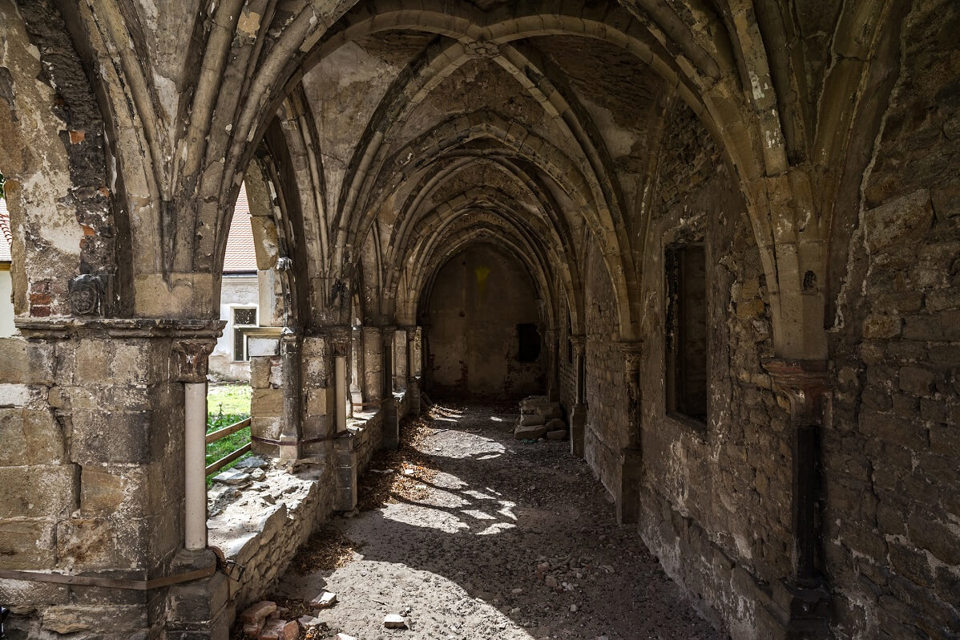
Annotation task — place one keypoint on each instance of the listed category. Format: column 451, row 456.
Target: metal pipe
column 195, row 502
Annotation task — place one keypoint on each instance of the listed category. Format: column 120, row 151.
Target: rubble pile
column 540, row 418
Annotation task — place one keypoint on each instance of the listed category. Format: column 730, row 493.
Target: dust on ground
column 473, row 535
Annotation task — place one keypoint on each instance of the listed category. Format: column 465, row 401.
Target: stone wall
column 715, row 494
column 91, row 477
column 892, row 513
column 605, row 433
column 268, row 522
column 479, row 298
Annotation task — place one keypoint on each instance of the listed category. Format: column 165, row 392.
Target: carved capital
column 192, row 359
column 340, row 339
column 632, row 351
column 804, row 382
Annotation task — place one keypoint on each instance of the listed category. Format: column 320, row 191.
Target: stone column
column 578, row 414
column 290, row 431
column 553, row 361
column 628, row 500
column 400, row 351
column 356, row 369
column 391, row 422
column 803, row 596
column 413, row 368
column 373, row 364
column 267, row 382
column 199, row 607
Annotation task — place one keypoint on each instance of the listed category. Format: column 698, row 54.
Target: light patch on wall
column 482, row 274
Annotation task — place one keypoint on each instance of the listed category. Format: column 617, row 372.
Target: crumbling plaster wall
column 892, row 512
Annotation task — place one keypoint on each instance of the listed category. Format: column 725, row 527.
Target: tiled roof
column 6, row 238
column 240, row 256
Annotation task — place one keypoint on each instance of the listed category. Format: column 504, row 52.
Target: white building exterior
column 239, row 298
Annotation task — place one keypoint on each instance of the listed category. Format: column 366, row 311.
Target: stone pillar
column 391, row 422
column 266, row 404
column 400, row 352
column 413, row 368
column 552, row 356
column 373, row 364
column 628, row 498
column 290, row 432
column 324, row 399
column 356, row 369
column 803, row 596
column 578, row 414
column 200, row 608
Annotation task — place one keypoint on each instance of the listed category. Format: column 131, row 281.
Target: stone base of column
column 199, row 610
column 796, row 612
column 628, row 491
column 391, row 424
column 578, row 427
column 347, row 465
column 413, row 395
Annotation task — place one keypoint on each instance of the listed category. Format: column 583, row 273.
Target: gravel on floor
column 474, row 535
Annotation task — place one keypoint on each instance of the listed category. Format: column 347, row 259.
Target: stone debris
column 232, row 476
column 258, row 611
column 252, row 462
column 343, row 636
column 394, row 621
column 539, row 417
column 280, row 629
column 324, row 601
column 529, row 433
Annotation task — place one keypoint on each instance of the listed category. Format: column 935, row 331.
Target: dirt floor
column 470, row 534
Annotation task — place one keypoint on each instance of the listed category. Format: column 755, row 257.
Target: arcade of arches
column 723, row 234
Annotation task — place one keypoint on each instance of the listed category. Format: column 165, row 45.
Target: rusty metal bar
column 219, row 434
column 227, row 459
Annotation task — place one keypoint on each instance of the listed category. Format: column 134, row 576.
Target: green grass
column 227, row 404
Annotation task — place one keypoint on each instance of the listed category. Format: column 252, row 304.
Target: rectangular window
column 242, row 318
column 528, row 342
column 686, row 331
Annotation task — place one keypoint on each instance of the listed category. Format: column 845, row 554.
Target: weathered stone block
column 101, row 437
column 917, row 380
column 321, row 401
column 267, row 402
column 23, row 597
column 37, row 491
column 896, row 222
column 65, row 619
column 879, row 327
column 40, row 437
column 27, row 545
column 26, row 362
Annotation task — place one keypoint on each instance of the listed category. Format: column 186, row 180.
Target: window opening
column 528, row 342
column 242, row 319
column 686, row 331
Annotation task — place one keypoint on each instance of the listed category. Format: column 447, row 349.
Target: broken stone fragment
column 343, row 636
column 324, row 601
column 559, row 434
column 556, row 424
column 279, row 629
column 530, row 433
column 252, row 629
column 308, row 621
column 531, row 419
column 394, row 621
column 232, row 476
column 258, row 611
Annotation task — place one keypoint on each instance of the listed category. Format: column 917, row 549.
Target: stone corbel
column 192, row 359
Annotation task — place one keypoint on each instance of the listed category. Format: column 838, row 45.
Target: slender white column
column 340, row 391
column 195, row 410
